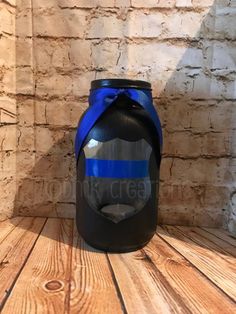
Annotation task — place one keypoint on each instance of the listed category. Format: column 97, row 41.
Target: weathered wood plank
column 219, row 270
column 14, row 252
column 211, row 241
column 44, row 283
column 143, row 287
column 187, row 281
column 7, row 226
column 222, row 234
column 92, row 286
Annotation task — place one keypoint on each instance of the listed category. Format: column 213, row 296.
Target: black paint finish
column 126, row 120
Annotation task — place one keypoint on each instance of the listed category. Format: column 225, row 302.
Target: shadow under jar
column 118, row 164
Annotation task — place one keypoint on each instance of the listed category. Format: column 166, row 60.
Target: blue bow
column 101, row 99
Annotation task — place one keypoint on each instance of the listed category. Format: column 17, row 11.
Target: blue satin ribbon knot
column 101, row 99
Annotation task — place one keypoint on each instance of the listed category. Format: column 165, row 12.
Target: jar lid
column 120, row 83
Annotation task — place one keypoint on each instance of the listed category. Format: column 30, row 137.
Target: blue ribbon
column 122, row 169
column 101, row 99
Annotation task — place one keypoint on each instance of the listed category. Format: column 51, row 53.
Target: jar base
column 113, row 249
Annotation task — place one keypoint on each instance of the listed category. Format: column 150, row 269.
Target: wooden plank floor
column 45, row 267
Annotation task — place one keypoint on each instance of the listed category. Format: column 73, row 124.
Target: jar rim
column 120, row 83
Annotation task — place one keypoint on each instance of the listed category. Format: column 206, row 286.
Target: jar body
column 118, row 179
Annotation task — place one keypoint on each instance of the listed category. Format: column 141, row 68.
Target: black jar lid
column 120, row 83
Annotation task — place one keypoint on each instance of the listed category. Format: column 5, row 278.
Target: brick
column 158, row 57
column 222, row 116
column 200, row 118
column 215, row 197
column 24, row 52
column 45, row 209
column 8, row 81
column 219, row 27
column 200, row 171
column 33, row 193
column 166, row 168
column 138, row 25
column 11, row 2
column 53, row 167
column 183, row 25
column 65, row 210
column 159, row 81
column 86, row 3
column 106, row 26
column 58, row 113
column 45, row 4
column 25, row 139
column 231, row 223
column 171, row 216
column 7, row 110
column 24, row 27
column 216, row 144
column 145, row 25
column 221, row 56
column 56, row 84
column 7, row 21
column 191, row 58
column 179, row 196
column 43, row 54
column 81, row 84
column 44, row 140
column 231, row 172
column 76, row 111
column 182, row 144
column 7, row 52
column 24, row 81
column 26, row 112
column 39, row 193
column 80, row 53
column 202, row 3
column 208, row 218
column 49, row 141
column 25, row 164
column 60, row 56
column 69, row 23
column 23, row 5
column 7, row 197
column 183, row 3
column 230, row 90
column 105, row 55
column 206, row 87
column 122, row 3
column 40, row 112
column 8, row 138
column 178, row 85
column 65, row 191
column 8, row 163
column 179, row 116
column 153, row 3
column 232, row 136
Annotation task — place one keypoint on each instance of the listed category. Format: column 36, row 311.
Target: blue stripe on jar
column 125, row 169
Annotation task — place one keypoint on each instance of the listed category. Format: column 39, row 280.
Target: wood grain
column 211, row 241
column 143, row 287
column 7, row 226
column 218, row 269
column 92, row 286
column 223, row 235
column 48, row 268
column 44, row 283
column 14, row 252
column 187, row 281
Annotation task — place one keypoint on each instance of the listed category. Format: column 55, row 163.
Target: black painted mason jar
column 118, row 150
